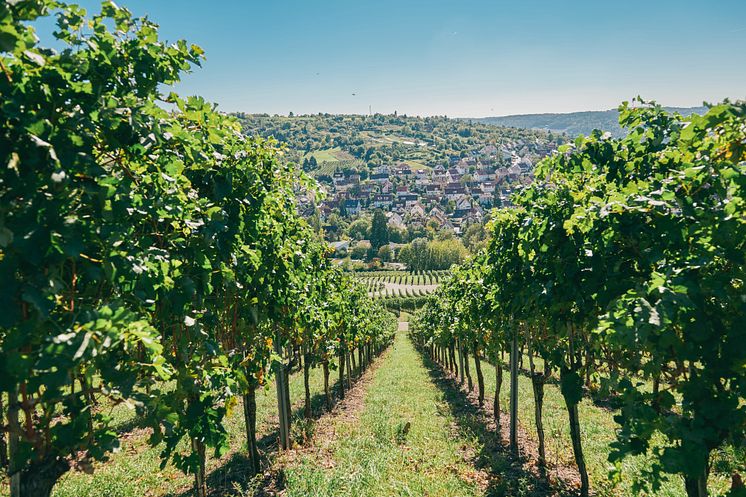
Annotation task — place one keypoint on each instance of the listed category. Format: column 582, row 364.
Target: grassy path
column 410, row 432
column 403, row 441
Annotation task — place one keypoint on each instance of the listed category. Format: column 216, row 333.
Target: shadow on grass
column 233, row 478
column 510, row 477
column 604, row 398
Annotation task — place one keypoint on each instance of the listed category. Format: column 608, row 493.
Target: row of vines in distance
column 388, row 284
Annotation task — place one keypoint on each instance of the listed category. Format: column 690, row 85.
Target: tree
column 360, row 250
column 384, row 253
column 475, row 237
column 379, row 231
column 359, row 229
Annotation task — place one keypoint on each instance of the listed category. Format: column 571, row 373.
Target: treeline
column 423, row 254
column 622, row 268
column 147, row 256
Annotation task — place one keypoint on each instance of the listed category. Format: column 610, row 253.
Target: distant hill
column 574, row 123
column 325, row 143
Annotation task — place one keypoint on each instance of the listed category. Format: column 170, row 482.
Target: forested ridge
column 575, row 123
column 381, row 139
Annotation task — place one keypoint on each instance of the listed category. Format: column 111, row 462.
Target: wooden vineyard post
column 514, row 396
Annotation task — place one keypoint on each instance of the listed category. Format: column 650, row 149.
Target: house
column 463, row 203
column 416, row 212
column 485, row 199
column 344, row 185
column 363, row 197
column 471, row 185
column 379, row 177
column 409, row 199
column 463, row 207
column 422, row 177
column 438, row 216
column 387, row 187
column 454, row 190
column 433, row 188
column 395, row 221
column 341, row 248
column 352, row 206
column 439, row 172
column 488, row 187
column 475, row 215
column 484, row 175
column 382, row 200
column 488, row 151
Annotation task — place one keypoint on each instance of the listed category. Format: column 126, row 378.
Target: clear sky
column 456, row 57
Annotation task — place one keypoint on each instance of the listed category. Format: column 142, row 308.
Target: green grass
column 329, row 155
column 597, row 430
column 414, row 165
column 135, row 471
column 373, row 456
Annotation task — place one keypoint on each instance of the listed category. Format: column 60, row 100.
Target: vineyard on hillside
column 401, row 290
column 392, row 284
column 172, row 326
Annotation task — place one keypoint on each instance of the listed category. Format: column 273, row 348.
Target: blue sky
column 456, row 57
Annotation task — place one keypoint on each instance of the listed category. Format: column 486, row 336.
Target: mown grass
column 597, row 430
column 374, row 456
column 327, row 155
column 377, row 455
column 135, row 470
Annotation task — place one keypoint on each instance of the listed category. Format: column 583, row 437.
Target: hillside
column 574, row 123
column 326, row 142
column 428, row 174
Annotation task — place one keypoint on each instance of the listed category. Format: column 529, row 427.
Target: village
column 445, row 198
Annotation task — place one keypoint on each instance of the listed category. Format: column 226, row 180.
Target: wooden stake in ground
column 514, row 396
column 480, row 378
column 461, row 364
column 498, row 387
column 282, row 396
column 571, row 385
column 249, row 412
